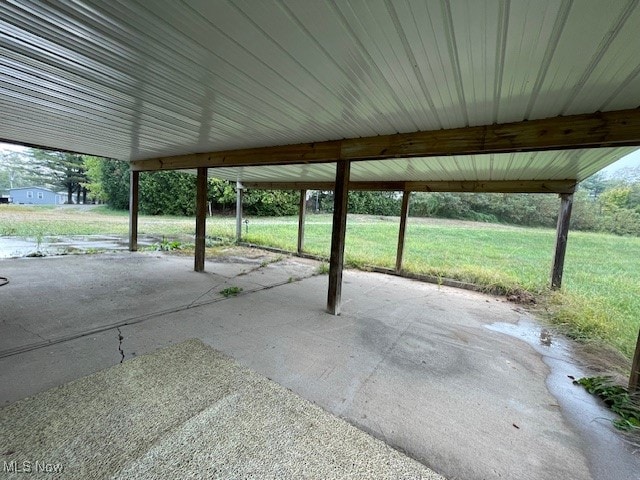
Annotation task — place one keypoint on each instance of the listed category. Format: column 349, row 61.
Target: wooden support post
column 338, row 234
column 634, row 378
column 201, row 218
column 404, row 212
column 238, row 212
column 133, row 210
column 301, row 214
column 566, row 202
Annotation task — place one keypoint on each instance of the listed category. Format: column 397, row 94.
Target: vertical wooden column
column 338, row 234
column 566, row 202
column 404, row 212
column 134, row 180
column 201, row 218
column 634, row 379
column 238, row 212
column 301, row 214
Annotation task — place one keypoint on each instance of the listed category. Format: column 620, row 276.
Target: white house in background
column 35, row 196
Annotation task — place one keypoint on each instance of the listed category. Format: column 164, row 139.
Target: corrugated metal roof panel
column 551, row 165
column 586, row 40
column 526, row 47
column 614, row 63
column 135, row 79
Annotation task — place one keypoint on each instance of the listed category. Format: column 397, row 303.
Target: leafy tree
column 585, row 214
column 93, row 167
column 323, row 201
column 615, row 198
column 271, row 203
column 595, row 184
column 423, row 205
column 167, row 193
column 221, row 194
column 368, row 203
column 374, row 203
column 174, row 193
column 633, row 200
column 112, row 176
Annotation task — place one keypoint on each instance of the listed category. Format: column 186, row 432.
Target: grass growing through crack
column 323, row 268
column 600, row 299
column 230, row 291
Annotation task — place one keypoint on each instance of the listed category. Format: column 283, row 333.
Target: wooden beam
column 338, row 234
column 239, row 188
column 490, row 186
column 564, row 217
column 134, row 183
column 404, row 213
column 634, row 378
column 601, row 129
column 301, row 214
column 201, row 218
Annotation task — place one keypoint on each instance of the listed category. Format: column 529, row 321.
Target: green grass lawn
column 600, row 298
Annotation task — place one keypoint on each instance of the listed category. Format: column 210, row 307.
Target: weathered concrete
column 412, row 363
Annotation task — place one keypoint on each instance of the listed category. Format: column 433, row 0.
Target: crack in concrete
column 27, row 330
column 132, row 321
column 227, row 279
column 120, row 339
column 291, row 279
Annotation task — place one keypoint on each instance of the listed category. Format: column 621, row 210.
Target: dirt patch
column 522, row 297
column 602, row 360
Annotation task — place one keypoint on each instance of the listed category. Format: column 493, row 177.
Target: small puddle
column 608, row 454
column 13, row 247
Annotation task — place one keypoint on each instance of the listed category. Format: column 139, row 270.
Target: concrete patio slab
column 414, row 364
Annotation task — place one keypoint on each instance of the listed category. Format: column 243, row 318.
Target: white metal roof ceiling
column 137, row 79
column 549, row 165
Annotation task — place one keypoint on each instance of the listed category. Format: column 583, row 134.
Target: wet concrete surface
column 15, row 247
column 607, row 450
column 413, row 364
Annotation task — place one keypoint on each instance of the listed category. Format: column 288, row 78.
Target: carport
column 495, row 96
column 489, row 96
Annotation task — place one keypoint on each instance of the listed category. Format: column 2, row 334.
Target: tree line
column 601, row 203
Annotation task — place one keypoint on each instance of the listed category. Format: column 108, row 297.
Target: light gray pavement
column 414, row 364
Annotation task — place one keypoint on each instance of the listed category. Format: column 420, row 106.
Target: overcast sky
column 8, row 146
column 631, row 160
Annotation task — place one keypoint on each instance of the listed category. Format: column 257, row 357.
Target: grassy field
column 600, row 299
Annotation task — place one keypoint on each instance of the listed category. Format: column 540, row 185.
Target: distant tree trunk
column 84, row 195
column 78, row 192
column 70, row 195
